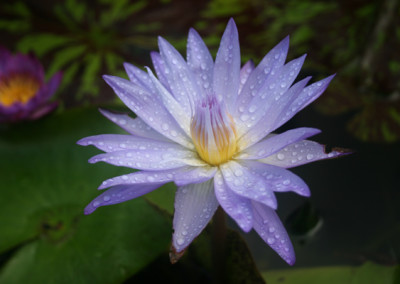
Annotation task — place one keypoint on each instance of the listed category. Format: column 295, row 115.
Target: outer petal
column 152, row 160
column 161, row 69
column 270, row 63
column 119, row 142
column 307, row 96
column 273, row 116
column 181, row 176
column 245, row 73
column 276, row 85
column 200, row 61
column 194, row 175
column 278, row 179
column 139, row 77
column 277, row 142
column 120, row 193
column 301, row 153
column 246, row 184
column 180, row 78
column 239, row 208
column 195, row 204
column 227, row 66
column 149, row 108
column 181, row 115
column 140, row 177
column 52, row 85
column 135, row 126
column 271, row 230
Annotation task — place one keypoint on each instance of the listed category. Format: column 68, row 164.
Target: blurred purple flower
column 23, row 93
column 207, row 127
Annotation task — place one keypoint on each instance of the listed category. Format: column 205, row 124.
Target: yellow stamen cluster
column 17, row 88
column 213, row 133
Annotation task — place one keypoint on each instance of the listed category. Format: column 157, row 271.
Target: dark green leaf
column 46, row 183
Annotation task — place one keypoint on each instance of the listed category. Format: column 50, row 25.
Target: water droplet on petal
column 280, row 156
column 244, row 117
column 180, row 241
column 164, row 126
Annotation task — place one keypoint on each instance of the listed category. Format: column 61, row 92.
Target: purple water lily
column 207, row 126
column 23, row 93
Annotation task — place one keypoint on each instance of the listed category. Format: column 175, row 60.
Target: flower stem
column 218, row 246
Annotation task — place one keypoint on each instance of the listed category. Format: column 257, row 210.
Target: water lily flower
column 207, row 126
column 23, row 93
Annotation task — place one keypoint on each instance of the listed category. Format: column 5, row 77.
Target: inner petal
column 213, row 131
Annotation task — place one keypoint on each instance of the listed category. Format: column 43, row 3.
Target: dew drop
column 106, row 198
column 180, row 241
column 165, row 126
column 244, row 117
column 252, row 108
column 280, row 156
column 310, row 156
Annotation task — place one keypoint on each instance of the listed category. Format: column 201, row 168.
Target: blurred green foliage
column 46, row 183
column 358, row 39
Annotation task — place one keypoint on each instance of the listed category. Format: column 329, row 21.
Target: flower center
column 17, row 88
column 213, row 132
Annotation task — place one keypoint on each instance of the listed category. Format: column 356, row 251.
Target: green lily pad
column 46, row 183
column 368, row 273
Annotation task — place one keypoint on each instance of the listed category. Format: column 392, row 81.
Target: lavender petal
column 195, row 204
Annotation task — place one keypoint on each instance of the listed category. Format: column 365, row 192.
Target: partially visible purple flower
column 207, row 126
column 23, row 93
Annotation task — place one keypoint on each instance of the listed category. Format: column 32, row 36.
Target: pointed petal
column 227, row 66
column 239, row 208
column 246, row 184
column 269, row 64
column 278, row 179
column 180, row 78
column 149, row 108
column 139, row 77
column 172, row 105
column 200, row 61
column 195, row 204
column 277, row 142
column 268, row 225
column 153, row 160
column 307, row 96
column 265, row 125
column 245, row 73
column 302, row 152
column 181, row 176
column 118, row 194
column 160, row 68
column 52, row 85
column 194, row 175
column 135, row 126
column 267, row 98
column 119, row 142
